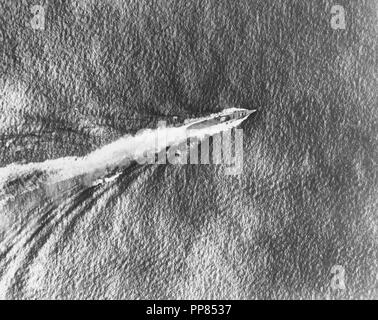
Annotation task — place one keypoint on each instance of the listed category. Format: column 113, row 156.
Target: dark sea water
column 307, row 198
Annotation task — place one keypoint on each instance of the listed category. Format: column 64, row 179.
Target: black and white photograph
column 188, row 150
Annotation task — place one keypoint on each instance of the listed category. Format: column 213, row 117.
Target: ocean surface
column 306, row 201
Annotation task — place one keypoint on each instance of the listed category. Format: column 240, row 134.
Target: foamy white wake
column 93, row 167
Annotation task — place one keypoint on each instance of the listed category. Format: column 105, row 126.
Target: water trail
column 104, row 164
column 41, row 203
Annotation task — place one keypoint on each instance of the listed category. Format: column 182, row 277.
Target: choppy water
column 307, row 198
